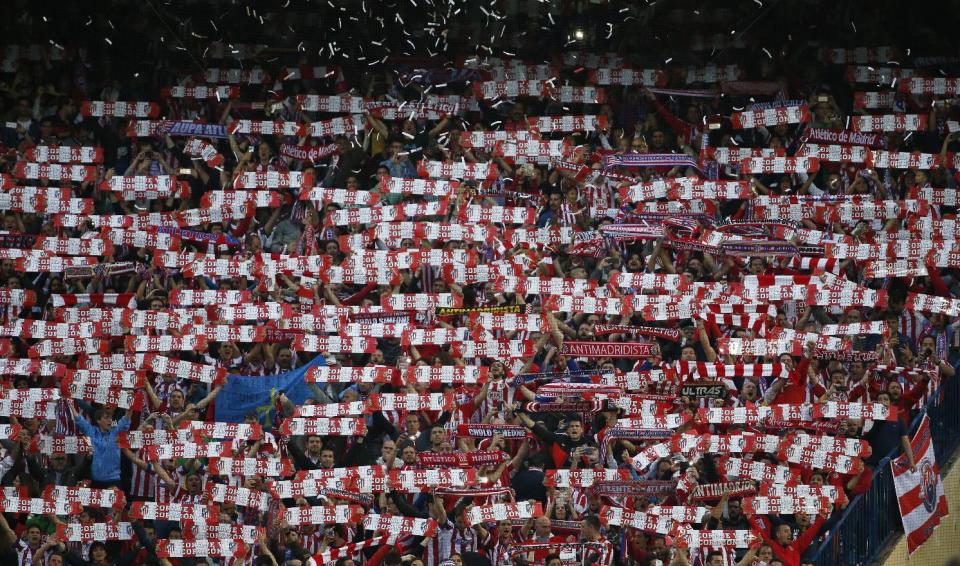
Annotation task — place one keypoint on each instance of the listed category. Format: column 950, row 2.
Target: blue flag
column 245, row 394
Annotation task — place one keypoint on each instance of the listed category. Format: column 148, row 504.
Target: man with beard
column 285, row 361
column 564, row 446
column 906, row 401
column 517, row 120
column 309, row 458
column 735, row 518
column 550, row 214
column 408, row 454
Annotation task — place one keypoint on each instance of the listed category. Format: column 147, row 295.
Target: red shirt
column 796, row 392
column 791, row 553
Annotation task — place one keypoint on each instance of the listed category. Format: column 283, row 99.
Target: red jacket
column 791, row 553
column 909, row 398
column 796, row 392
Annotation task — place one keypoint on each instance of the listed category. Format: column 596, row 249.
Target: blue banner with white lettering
column 246, row 394
column 188, row 128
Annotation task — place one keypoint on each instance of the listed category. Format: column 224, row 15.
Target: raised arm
column 705, row 342
column 151, row 395
column 377, row 125
column 7, row 536
column 209, row 398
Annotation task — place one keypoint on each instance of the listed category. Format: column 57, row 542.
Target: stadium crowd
column 566, row 310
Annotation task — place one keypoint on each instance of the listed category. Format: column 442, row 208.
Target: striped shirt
column 569, row 214
column 467, row 540
column 163, row 492
column 499, row 552
column 428, row 274
column 439, row 547
column 499, row 394
column 311, row 541
column 142, row 480
column 911, row 326
column 603, row 557
column 25, row 553
column 164, row 387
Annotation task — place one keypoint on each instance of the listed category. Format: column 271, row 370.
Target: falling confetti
column 510, row 106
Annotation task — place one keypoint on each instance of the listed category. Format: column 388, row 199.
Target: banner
column 200, row 237
column 650, row 160
column 920, row 493
column 843, row 137
column 635, row 488
column 710, row 389
column 521, row 510
column 462, row 459
column 608, row 349
column 243, row 394
column 488, row 430
column 584, row 477
column 503, row 309
column 593, row 406
column 308, row 153
column 185, row 128
column 671, row 334
column 715, row 491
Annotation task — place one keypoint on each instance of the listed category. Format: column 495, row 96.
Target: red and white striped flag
column 614, row 76
column 874, row 100
column 64, row 154
column 305, row 72
column 55, row 171
column 758, row 165
column 331, row 127
column 938, row 86
column 178, row 548
column 198, row 148
column 345, row 104
column 201, row 92
column 919, row 493
column 568, row 123
column 400, row 526
column 76, row 532
column 235, row 76
column 324, row 514
column 770, row 117
column 889, row 123
column 98, row 108
column 503, row 511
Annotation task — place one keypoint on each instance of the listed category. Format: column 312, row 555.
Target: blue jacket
column 105, row 466
column 403, row 168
